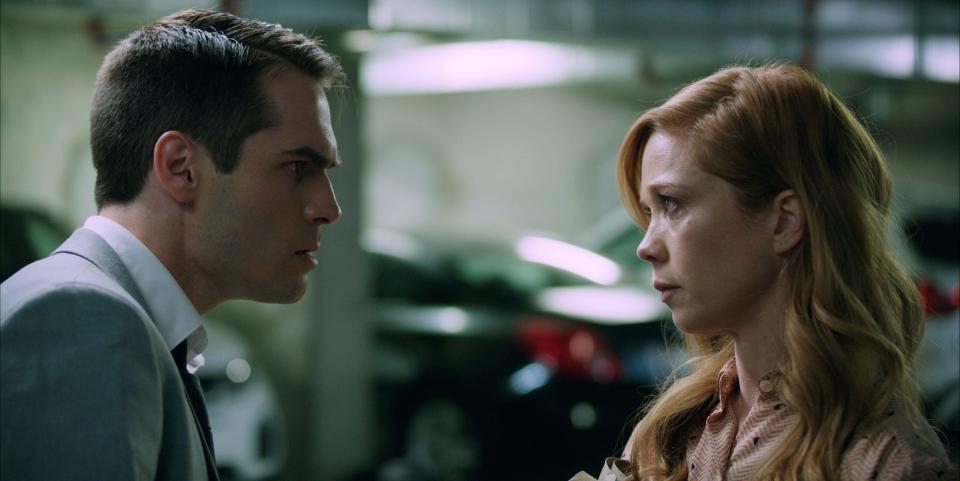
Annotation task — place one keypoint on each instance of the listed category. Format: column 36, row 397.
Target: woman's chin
column 684, row 325
column 695, row 326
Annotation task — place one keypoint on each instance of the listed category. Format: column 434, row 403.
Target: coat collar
column 90, row 246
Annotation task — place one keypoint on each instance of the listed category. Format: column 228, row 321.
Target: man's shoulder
column 50, row 279
column 66, row 303
column 87, row 380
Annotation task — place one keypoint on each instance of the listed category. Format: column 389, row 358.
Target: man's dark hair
column 197, row 72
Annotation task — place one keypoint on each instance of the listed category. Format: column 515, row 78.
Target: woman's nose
column 651, row 248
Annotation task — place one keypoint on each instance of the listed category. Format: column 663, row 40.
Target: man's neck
column 161, row 232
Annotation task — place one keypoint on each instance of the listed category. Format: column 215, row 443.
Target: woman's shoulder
column 893, row 449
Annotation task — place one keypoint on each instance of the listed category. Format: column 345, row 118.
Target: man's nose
column 322, row 208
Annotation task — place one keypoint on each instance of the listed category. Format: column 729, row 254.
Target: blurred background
column 479, row 312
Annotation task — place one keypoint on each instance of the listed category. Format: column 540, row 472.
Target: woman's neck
column 759, row 345
column 757, row 353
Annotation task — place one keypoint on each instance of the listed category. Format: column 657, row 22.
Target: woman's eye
column 669, row 203
column 664, row 205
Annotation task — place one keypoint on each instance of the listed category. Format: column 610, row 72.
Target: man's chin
column 290, row 295
column 294, row 296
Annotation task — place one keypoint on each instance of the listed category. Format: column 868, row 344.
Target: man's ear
column 175, row 162
column 791, row 222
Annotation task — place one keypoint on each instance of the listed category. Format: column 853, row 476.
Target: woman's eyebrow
column 659, row 185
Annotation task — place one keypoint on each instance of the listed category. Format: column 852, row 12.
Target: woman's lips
column 667, row 294
column 666, row 289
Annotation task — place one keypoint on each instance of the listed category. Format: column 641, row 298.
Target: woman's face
column 715, row 266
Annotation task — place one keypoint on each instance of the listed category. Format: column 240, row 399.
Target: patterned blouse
column 889, row 451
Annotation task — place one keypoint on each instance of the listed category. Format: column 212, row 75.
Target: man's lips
column 308, row 251
column 310, row 248
column 307, row 255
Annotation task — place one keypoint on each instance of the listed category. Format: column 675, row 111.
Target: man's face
column 256, row 228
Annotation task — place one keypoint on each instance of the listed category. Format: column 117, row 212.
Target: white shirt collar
column 175, row 316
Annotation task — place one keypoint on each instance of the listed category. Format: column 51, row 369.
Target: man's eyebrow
column 315, row 156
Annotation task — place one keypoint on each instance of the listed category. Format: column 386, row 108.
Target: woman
column 765, row 205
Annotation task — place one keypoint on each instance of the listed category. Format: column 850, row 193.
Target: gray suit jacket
column 88, row 388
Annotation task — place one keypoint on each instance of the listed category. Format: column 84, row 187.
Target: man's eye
column 299, row 169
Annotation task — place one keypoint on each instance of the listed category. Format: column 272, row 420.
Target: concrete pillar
column 341, row 437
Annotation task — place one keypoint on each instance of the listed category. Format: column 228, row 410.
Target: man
column 211, row 138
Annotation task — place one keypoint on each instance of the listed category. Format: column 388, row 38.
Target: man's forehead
column 323, row 104
column 302, row 114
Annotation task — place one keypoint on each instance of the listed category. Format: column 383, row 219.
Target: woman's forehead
column 667, row 162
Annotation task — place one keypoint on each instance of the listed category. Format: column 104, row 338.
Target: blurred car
column 26, row 235
column 932, row 255
column 499, row 363
column 244, row 414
